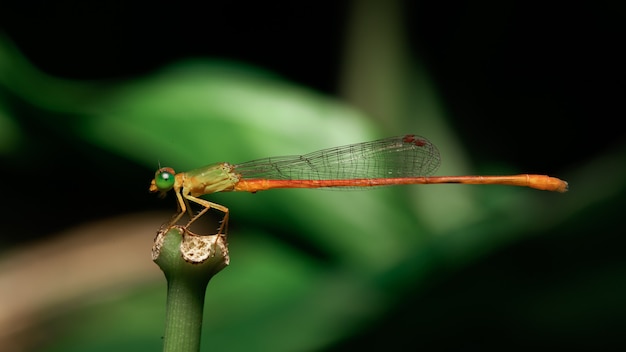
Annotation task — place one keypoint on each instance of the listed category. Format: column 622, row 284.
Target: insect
column 401, row 160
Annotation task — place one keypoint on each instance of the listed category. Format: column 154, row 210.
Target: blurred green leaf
column 10, row 135
column 314, row 266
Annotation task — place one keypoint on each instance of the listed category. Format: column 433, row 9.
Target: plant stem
column 188, row 262
column 185, row 305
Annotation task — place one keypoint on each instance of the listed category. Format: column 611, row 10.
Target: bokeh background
column 93, row 96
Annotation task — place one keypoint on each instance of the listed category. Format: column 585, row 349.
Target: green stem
column 188, row 262
column 185, row 304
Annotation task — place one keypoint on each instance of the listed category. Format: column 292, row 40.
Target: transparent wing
column 401, row 156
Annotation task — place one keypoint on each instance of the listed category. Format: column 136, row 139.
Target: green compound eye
column 164, row 179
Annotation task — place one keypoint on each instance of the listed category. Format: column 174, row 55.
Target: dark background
column 518, row 80
column 558, row 65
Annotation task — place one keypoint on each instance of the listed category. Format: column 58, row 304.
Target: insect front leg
column 183, row 206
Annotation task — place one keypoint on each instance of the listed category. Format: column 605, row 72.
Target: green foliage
column 309, row 268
